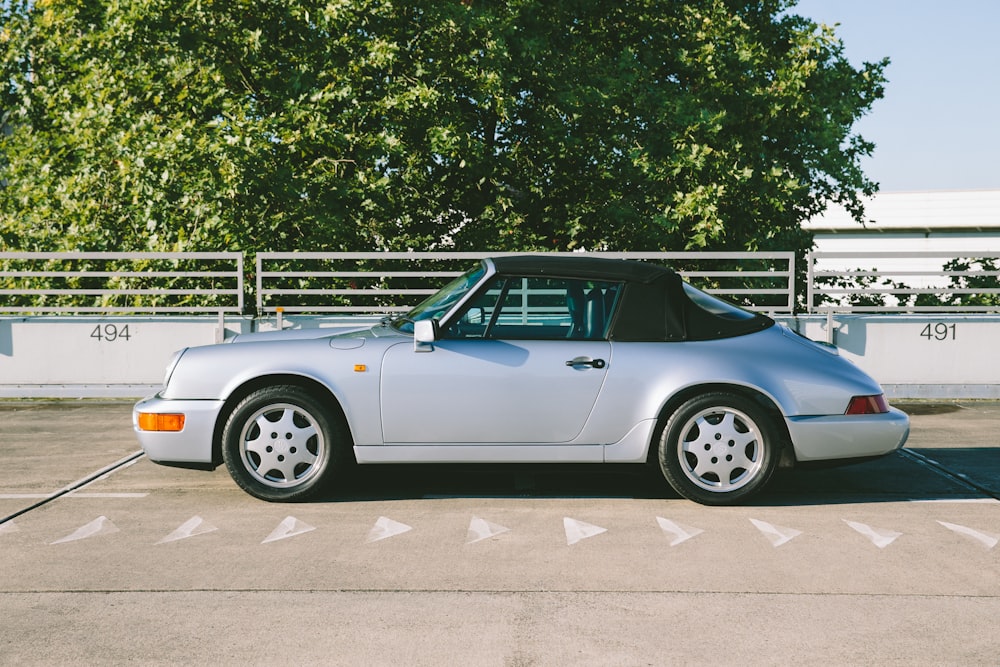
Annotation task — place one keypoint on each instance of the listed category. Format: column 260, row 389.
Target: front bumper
column 192, row 444
column 831, row 437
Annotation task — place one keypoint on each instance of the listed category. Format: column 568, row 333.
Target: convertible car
column 525, row 359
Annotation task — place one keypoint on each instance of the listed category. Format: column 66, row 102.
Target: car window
column 441, row 302
column 474, row 319
column 538, row 308
column 716, row 306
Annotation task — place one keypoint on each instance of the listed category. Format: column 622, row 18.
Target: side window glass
column 591, row 305
column 532, row 309
column 554, row 308
column 538, row 309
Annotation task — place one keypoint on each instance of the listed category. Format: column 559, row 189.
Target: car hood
column 299, row 334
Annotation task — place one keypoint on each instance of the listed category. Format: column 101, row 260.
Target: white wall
column 918, row 356
column 912, row 356
column 94, row 356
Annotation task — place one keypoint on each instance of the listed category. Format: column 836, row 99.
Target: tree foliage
column 429, row 124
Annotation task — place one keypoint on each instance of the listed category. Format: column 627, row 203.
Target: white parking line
column 72, row 488
column 956, row 500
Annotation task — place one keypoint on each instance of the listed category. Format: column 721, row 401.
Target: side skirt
column 478, row 453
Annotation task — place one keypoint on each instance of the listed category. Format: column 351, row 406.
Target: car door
column 524, row 362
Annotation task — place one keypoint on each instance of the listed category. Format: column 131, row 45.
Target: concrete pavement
column 889, row 562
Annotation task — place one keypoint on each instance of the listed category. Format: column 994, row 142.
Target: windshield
column 441, row 301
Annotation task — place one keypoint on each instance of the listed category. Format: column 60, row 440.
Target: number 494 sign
column 109, row 333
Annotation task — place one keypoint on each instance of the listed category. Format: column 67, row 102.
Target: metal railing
column 388, row 282
column 903, row 282
column 42, row 283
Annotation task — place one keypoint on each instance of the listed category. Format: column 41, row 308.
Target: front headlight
column 171, row 365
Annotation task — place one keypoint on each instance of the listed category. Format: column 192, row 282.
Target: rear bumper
column 192, row 445
column 847, row 436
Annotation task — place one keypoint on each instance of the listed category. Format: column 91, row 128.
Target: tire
column 719, row 449
column 282, row 445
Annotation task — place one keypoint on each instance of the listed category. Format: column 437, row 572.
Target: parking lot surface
column 111, row 559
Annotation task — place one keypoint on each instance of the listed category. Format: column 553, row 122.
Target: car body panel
column 481, row 453
column 187, row 445
column 825, row 438
column 609, row 403
column 485, row 382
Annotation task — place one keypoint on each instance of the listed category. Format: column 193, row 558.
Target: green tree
column 362, row 124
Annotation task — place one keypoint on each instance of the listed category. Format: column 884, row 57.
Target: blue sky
column 938, row 127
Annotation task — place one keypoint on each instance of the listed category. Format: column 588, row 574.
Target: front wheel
column 719, row 449
column 281, row 444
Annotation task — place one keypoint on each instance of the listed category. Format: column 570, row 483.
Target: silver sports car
column 527, row 359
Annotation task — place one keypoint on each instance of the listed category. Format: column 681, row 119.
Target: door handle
column 586, row 361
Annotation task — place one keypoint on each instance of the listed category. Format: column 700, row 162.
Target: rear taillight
column 867, row 405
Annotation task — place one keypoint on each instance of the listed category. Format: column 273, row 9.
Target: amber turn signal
column 151, row 421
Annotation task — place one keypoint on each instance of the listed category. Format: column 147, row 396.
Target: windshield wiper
column 395, row 322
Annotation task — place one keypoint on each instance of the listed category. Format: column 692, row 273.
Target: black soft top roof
column 582, row 266
column 653, row 305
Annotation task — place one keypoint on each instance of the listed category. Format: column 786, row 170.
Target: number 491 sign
column 938, row 331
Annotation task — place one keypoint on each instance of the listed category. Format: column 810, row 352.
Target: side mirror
column 424, row 334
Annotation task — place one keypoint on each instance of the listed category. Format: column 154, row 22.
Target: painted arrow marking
column 193, row 526
column 987, row 539
column 481, row 529
column 777, row 534
column 879, row 537
column 385, row 528
column 100, row 526
column 289, row 527
column 579, row 530
column 680, row 532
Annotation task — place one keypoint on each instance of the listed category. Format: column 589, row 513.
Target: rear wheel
column 719, row 449
column 281, row 444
